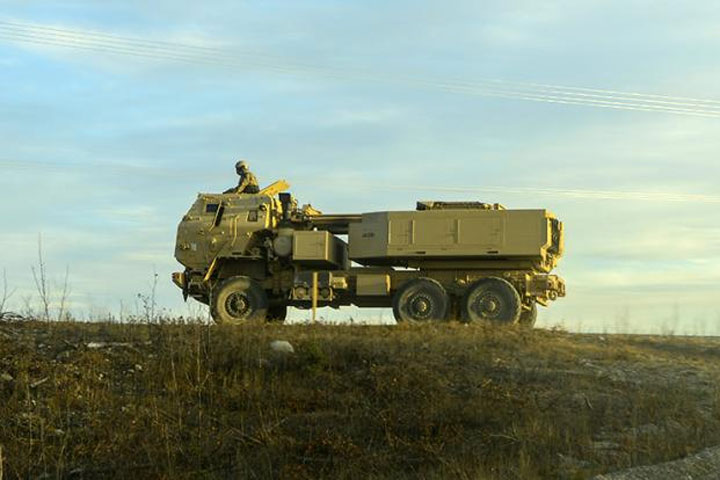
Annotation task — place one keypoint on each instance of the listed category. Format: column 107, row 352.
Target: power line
column 608, row 102
column 450, row 87
column 668, row 102
column 152, row 43
column 197, row 49
column 672, row 98
column 155, row 49
column 159, row 50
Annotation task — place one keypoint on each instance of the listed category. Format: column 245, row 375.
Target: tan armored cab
column 221, row 224
column 250, row 256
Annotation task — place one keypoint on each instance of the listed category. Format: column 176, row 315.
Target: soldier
column 247, row 183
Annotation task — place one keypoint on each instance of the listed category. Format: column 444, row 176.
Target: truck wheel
column 493, row 300
column 237, row 300
column 419, row 300
column 277, row 313
column 528, row 317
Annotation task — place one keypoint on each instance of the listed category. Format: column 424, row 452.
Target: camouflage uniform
column 247, row 183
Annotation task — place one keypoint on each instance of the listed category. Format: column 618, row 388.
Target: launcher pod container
column 251, row 256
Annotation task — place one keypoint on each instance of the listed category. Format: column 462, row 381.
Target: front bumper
column 545, row 288
column 181, row 280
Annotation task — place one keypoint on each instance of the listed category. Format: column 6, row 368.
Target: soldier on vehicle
column 247, row 183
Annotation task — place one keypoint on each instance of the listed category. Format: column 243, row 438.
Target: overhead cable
column 194, row 54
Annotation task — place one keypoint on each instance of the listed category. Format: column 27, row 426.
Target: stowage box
column 463, row 234
column 319, row 249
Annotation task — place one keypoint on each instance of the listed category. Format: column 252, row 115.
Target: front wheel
column 420, row 300
column 492, row 300
column 238, row 300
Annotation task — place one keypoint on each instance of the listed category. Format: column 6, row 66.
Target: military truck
column 251, row 256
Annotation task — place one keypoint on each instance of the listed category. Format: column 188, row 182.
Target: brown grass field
column 185, row 400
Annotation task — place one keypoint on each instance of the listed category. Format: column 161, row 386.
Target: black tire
column 492, row 300
column 238, row 300
column 528, row 317
column 277, row 313
column 420, row 300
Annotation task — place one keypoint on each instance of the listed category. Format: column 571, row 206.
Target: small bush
column 187, row 400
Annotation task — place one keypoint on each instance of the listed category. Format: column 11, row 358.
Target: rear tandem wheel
column 493, row 300
column 420, row 300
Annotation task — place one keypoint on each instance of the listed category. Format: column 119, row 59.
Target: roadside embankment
column 82, row 400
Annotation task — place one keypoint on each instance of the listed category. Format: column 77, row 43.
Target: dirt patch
column 701, row 466
column 271, row 401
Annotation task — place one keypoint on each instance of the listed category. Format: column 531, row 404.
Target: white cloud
column 363, row 116
column 145, row 135
column 660, row 242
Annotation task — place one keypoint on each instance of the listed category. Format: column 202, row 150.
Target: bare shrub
column 41, row 282
column 6, row 295
column 46, row 293
column 64, row 293
column 149, row 301
column 179, row 399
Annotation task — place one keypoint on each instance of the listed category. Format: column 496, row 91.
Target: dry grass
column 449, row 401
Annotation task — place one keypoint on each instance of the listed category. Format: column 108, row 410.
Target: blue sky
column 103, row 152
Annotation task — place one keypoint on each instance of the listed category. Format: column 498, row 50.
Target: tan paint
column 373, row 284
column 382, row 237
column 454, row 243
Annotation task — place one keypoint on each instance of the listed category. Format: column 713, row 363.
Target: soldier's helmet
column 241, row 165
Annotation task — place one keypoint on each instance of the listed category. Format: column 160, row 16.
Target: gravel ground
column 701, row 466
column 572, row 405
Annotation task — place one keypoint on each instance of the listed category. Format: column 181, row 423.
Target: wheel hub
column 421, row 307
column 488, row 306
column 237, row 305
